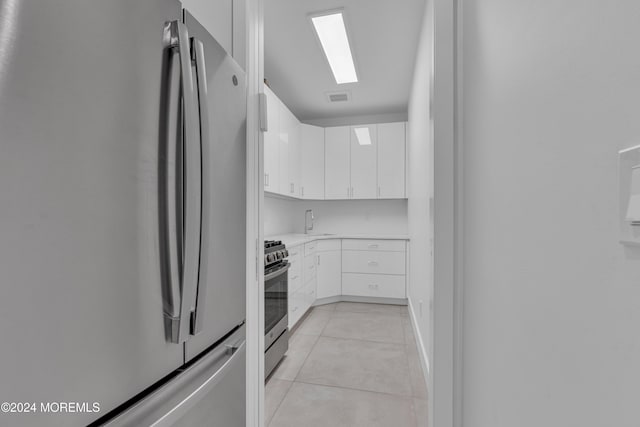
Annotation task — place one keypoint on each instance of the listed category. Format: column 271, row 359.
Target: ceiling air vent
column 338, row 96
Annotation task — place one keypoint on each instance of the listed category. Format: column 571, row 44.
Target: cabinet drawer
column 295, row 272
column 328, row 245
column 373, row 285
column 295, row 282
column 310, row 248
column 309, row 268
column 309, row 295
column 373, row 262
column 373, row 245
column 296, row 307
column 296, row 251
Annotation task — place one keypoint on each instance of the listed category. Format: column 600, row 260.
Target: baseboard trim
column 420, row 344
column 369, row 300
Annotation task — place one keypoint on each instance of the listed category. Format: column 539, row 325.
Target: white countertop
column 292, row 240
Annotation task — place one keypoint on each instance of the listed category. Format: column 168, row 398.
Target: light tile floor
column 349, row 365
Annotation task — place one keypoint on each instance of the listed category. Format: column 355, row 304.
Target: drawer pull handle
column 373, row 246
column 294, row 277
column 373, row 263
column 373, row 287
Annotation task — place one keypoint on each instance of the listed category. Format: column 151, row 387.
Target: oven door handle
column 277, row 272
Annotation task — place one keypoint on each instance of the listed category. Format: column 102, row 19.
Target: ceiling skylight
column 332, row 34
column 363, row 136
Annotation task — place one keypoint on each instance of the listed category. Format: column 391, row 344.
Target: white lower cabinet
column 329, row 268
column 296, row 307
column 373, row 262
column 373, row 285
column 373, row 268
column 295, row 271
column 354, row 267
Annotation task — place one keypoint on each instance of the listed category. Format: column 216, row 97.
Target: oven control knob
column 285, row 253
column 278, row 255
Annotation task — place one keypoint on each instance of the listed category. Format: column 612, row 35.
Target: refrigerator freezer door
column 81, row 306
column 210, row 392
column 221, row 287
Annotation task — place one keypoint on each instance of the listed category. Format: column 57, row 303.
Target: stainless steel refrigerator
column 122, row 217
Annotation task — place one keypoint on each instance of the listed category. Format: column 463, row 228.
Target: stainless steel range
column 276, row 340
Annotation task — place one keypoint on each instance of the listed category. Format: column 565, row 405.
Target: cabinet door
column 272, row 143
column 284, row 131
column 294, row 155
column 329, row 274
column 391, row 160
column 312, row 162
column 336, row 163
column 364, row 155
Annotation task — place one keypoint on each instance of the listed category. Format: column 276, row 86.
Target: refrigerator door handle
column 178, row 411
column 183, row 192
column 197, row 57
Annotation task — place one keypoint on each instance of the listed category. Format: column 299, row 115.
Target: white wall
column 420, row 185
column 335, row 216
column 278, row 215
column 551, row 300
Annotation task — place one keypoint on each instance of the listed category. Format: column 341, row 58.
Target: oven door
column 275, row 303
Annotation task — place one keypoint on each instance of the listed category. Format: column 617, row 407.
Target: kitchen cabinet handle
column 378, row 191
column 302, row 191
column 318, row 259
column 374, row 246
column 372, row 286
column 197, row 56
column 266, row 179
column 181, row 192
column 373, row 263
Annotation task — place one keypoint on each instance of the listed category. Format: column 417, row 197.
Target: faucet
column 306, row 227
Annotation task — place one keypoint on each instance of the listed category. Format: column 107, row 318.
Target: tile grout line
column 402, row 396
column 307, row 356
column 279, row 403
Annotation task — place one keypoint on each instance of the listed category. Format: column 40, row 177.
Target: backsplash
column 283, row 216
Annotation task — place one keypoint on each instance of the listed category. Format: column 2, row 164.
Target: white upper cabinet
column 311, row 162
column 391, row 160
column 337, row 183
column 283, row 149
column 364, row 157
column 334, row 163
column 272, row 143
column 293, row 128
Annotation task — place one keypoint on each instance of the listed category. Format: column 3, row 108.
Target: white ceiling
column 383, row 36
